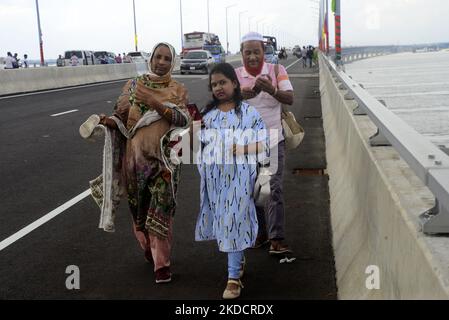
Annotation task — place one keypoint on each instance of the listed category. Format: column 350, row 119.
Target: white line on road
column 62, row 113
column 36, row 224
column 63, row 89
column 286, row 68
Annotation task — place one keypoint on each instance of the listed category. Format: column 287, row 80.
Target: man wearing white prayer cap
column 266, row 87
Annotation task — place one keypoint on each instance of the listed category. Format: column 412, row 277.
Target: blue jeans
column 235, row 260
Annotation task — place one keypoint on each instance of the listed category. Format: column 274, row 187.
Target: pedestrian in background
column 25, row 61
column 9, row 61
column 16, row 61
column 60, row 61
column 74, row 60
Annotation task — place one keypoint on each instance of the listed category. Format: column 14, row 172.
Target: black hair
column 228, row 71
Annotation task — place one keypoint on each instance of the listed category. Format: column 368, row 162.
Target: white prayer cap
column 252, row 36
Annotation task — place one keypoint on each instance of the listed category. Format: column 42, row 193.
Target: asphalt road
column 44, row 163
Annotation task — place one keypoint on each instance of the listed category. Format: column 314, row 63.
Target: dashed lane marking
column 36, row 224
column 63, row 113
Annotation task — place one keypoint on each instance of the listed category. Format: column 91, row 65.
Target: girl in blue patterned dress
column 232, row 140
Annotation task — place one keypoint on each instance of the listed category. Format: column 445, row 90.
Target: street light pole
column 257, row 24
column 227, row 39
column 240, row 26
column 135, row 25
column 208, row 25
column 249, row 23
column 41, row 43
column 182, row 33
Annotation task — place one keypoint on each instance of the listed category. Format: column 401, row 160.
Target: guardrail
column 428, row 162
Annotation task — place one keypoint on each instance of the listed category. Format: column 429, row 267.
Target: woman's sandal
column 233, row 293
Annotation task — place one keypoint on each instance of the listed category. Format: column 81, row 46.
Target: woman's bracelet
column 275, row 92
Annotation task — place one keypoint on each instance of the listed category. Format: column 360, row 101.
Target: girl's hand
column 145, row 96
column 238, row 150
column 265, row 84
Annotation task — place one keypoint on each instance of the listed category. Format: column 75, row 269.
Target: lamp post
column 249, row 23
column 208, row 25
column 182, row 33
column 257, row 24
column 227, row 39
column 240, row 27
column 41, row 43
column 135, row 25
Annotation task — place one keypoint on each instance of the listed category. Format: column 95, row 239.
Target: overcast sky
column 108, row 24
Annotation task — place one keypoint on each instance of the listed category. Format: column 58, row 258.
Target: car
column 105, row 57
column 270, row 55
column 197, row 61
column 85, row 57
column 138, row 56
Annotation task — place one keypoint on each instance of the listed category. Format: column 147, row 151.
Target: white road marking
column 63, row 89
column 286, row 68
column 36, row 224
column 62, row 113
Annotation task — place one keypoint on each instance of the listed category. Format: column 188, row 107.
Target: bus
column 270, row 40
column 198, row 40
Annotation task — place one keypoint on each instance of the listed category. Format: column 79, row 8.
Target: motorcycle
column 283, row 55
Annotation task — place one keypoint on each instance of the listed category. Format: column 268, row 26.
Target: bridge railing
column 428, row 162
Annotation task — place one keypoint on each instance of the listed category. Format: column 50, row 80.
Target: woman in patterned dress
column 232, row 140
column 149, row 108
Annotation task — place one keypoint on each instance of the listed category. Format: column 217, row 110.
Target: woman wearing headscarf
column 148, row 113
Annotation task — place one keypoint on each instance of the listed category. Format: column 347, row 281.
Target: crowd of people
column 151, row 110
column 14, row 62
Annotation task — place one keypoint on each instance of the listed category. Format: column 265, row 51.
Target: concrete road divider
column 37, row 79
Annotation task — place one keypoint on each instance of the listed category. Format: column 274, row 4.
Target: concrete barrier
column 36, row 79
column 376, row 200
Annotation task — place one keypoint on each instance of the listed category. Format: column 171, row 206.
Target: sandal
column 233, row 293
column 277, row 247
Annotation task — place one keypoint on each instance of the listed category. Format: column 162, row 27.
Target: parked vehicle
column 197, row 61
column 138, row 56
column 105, row 57
column 217, row 52
column 270, row 55
column 85, row 57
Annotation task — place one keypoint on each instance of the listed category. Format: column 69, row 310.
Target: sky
column 108, row 25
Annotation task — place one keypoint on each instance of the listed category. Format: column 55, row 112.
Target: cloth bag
column 262, row 189
column 293, row 131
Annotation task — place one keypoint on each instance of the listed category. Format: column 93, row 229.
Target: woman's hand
column 108, row 122
column 264, row 83
column 145, row 96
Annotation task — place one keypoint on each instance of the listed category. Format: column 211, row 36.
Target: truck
column 198, row 40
